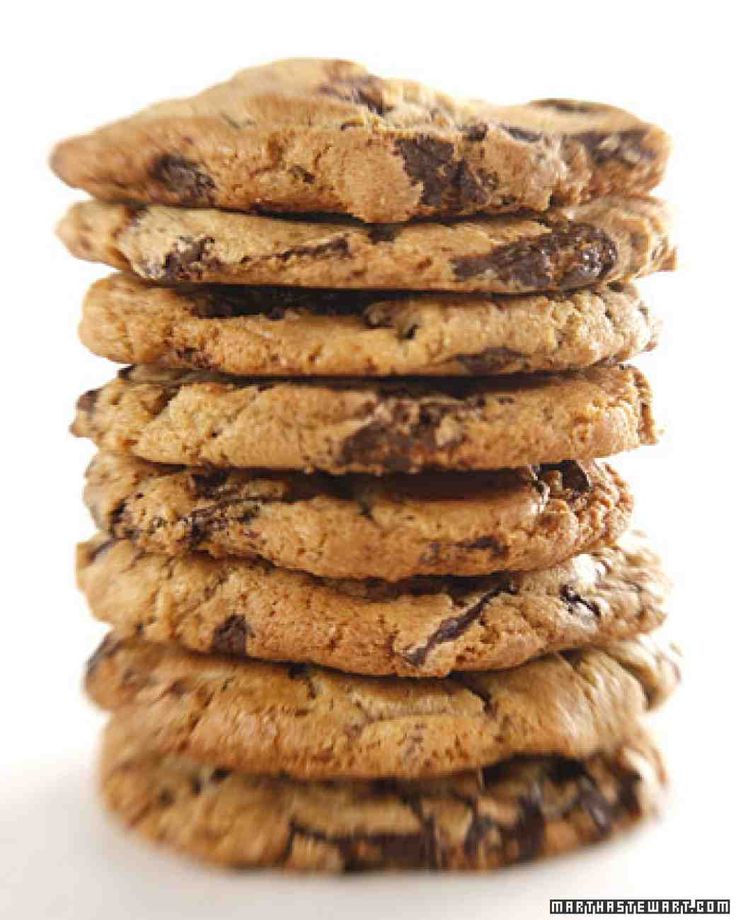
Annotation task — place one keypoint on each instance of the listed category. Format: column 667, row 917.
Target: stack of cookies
column 374, row 597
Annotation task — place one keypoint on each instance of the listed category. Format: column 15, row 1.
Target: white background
column 69, row 66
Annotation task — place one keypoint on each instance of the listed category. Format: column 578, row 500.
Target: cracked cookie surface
column 298, row 331
column 518, row 810
column 327, row 135
column 359, row 526
column 418, row 627
column 354, row 425
column 309, row 722
column 607, row 240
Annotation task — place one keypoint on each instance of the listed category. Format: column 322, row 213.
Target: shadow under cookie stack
column 374, row 599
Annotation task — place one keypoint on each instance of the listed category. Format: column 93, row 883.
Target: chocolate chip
column 577, row 604
column 219, row 774
column 428, row 161
column 106, row 649
column 101, row 549
column 302, row 174
column 445, row 181
column 488, row 542
column 568, row 105
column 469, row 189
column 490, row 360
column 574, row 477
column 626, row 147
column 231, row 636
column 571, row 255
column 393, row 441
column 529, row 831
column 334, row 248
column 186, row 261
column 594, row 803
column 366, row 91
column 208, row 484
column 224, row 301
column 522, row 134
column 192, row 357
column 475, row 132
column 411, row 850
column 86, row 402
column 453, row 627
column 176, row 687
column 563, row 770
column 476, row 833
column 382, row 233
column 185, row 178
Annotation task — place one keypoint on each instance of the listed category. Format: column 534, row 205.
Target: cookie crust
column 327, row 135
column 301, row 332
column 353, row 425
column 516, row 811
column 313, row 723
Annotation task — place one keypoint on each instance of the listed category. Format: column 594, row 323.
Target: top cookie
column 326, row 135
column 610, row 239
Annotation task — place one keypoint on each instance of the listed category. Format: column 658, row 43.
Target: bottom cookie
column 517, row 810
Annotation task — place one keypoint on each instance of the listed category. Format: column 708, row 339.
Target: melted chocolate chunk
column 382, row 233
column 412, row 850
column 445, row 181
column 224, row 301
column 470, row 190
column 104, row 650
column 366, row 91
column 577, row 604
column 490, row 360
column 208, row 484
column 568, row 105
column 391, row 442
column 574, row 477
column 487, row 542
column 475, row 132
column 528, row 834
column 193, row 357
column 452, row 628
column 334, row 248
column 626, row 147
column 187, row 260
column 101, row 549
column 231, row 636
column 428, row 161
column 86, row 402
column 476, row 833
column 594, row 803
column 219, row 774
column 522, row 134
column 185, row 178
column 571, row 255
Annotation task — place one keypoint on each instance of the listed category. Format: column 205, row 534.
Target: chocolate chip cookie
column 327, row 135
column 511, row 812
column 358, row 526
column 354, row 425
column 312, row 723
column 274, row 331
column 610, row 239
column 420, row 627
